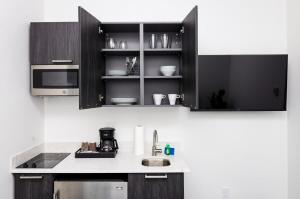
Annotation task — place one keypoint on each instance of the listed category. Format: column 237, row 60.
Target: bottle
column 167, row 149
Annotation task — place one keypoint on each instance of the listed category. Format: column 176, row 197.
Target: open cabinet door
column 190, row 59
column 91, row 67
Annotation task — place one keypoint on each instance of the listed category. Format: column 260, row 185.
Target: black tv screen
column 242, row 82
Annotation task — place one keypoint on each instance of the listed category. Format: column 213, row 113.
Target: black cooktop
column 44, row 160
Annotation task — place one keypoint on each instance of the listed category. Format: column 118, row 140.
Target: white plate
column 123, row 101
column 117, row 72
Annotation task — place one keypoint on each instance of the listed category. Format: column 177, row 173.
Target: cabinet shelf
column 162, row 51
column 166, row 106
column 120, row 77
column 137, row 105
column 120, row 51
column 111, row 105
column 164, row 77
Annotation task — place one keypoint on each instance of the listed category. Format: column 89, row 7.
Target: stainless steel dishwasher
column 90, row 190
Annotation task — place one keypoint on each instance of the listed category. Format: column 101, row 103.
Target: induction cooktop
column 44, row 160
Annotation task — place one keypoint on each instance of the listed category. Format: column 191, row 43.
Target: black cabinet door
column 34, row 186
column 54, row 42
column 190, row 59
column 91, row 67
column 155, row 186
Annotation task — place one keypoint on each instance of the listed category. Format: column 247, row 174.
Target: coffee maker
column 107, row 141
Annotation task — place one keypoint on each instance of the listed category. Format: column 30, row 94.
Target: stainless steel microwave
column 54, row 80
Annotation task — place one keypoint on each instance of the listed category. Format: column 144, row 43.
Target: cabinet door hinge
column 100, row 31
column 182, row 97
column 100, row 97
column 182, row 30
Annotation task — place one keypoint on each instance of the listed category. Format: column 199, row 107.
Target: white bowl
column 168, row 70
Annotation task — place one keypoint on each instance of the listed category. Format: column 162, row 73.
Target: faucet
column 155, row 149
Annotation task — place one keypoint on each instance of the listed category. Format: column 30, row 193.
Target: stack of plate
column 123, row 101
column 117, row 72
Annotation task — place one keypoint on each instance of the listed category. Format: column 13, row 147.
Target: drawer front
column 156, row 186
column 33, row 186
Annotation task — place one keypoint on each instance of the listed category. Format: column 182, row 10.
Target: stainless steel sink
column 156, row 162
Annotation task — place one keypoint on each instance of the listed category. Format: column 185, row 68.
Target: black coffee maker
column 107, row 141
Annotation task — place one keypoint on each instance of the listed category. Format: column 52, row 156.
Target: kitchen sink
column 156, row 162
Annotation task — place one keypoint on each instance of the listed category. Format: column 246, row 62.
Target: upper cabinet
column 120, row 62
column 54, row 43
column 190, row 59
column 91, row 65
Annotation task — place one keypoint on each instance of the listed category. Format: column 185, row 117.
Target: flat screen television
column 242, row 82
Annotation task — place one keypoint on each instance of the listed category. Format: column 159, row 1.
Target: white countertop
column 124, row 162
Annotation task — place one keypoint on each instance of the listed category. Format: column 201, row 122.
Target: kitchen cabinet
column 34, row 186
column 140, row 185
column 156, row 186
column 97, row 88
column 54, row 43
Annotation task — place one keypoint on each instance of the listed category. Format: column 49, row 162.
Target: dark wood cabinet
column 97, row 88
column 190, row 60
column 84, row 43
column 54, row 43
column 156, row 186
column 140, row 185
column 91, row 68
column 34, row 186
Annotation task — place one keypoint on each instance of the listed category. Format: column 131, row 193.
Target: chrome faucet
column 155, row 149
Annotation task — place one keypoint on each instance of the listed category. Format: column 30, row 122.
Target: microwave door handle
column 56, row 61
column 56, row 195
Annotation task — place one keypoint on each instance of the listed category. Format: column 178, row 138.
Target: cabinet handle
column 119, row 188
column 156, row 177
column 31, row 177
column 62, row 61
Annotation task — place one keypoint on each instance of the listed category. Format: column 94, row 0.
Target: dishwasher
column 90, row 189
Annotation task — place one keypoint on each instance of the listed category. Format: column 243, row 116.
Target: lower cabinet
column 33, row 186
column 140, row 186
column 156, row 186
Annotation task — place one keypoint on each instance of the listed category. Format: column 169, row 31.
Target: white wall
column 21, row 116
column 245, row 151
column 293, row 30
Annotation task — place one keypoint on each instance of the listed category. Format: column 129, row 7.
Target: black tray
column 98, row 154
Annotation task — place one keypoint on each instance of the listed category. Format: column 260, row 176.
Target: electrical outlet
column 225, row 193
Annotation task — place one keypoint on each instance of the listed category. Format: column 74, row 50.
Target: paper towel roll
column 139, row 140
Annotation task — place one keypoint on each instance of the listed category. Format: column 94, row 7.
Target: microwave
column 54, row 80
